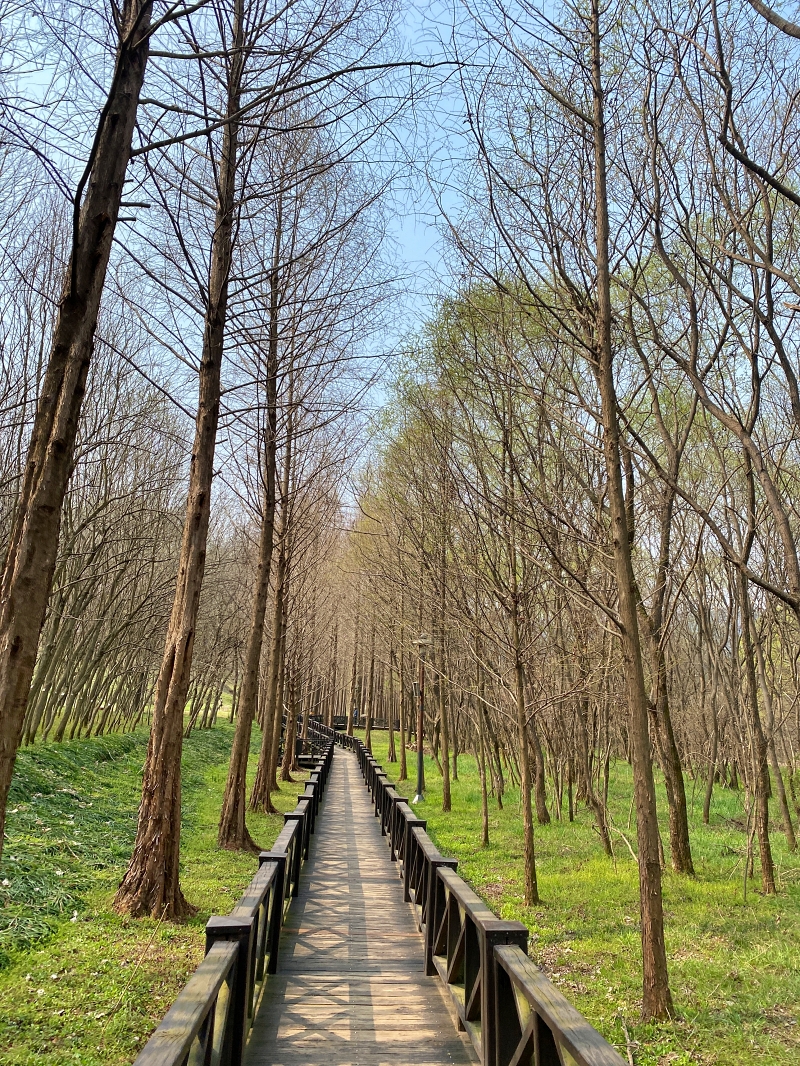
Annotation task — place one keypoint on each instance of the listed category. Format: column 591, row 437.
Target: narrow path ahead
column 350, row 990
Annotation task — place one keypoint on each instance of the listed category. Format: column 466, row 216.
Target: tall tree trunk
column 235, row 690
column 233, row 833
column 759, row 761
column 656, row 996
column 354, row 672
column 441, row 694
column 151, row 882
column 259, row 796
column 786, row 814
column 266, row 771
column 272, row 771
column 404, row 731
column 495, row 760
column 390, row 704
column 680, row 845
column 370, row 688
column 542, row 813
column 712, row 764
column 480, row 708
column 531, row 883
column 330, row 707
column 291, row 723
column 440, row 687
column 30, row 556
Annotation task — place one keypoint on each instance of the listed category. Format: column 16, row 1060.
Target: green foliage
column 81, row 985
column 734, row 964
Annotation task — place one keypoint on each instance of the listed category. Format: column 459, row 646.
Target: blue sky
column 416, row 228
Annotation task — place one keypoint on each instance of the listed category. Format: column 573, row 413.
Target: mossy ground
column 80, row 985
column 734, row 964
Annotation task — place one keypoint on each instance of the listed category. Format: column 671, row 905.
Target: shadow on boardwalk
column 350, row 987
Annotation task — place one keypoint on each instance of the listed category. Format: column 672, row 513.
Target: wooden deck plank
column 350, row 990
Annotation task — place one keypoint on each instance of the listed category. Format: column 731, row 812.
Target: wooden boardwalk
column 350, row 988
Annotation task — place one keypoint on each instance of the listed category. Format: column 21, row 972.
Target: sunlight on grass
column 80, row 985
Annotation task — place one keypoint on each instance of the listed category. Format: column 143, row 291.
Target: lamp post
column 422, row 643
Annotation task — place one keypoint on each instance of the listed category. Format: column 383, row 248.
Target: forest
column 529, row 507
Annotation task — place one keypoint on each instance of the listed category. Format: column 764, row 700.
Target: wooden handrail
column 535, row 1018
column 196, row 1023
column 210, row 1020
column 509, row 1008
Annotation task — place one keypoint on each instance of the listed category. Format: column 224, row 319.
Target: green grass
column 79, row 984
column 734, row 965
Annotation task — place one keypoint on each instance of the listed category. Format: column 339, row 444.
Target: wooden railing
column 381, row 724
column 209, row 1022
column 512, row 1013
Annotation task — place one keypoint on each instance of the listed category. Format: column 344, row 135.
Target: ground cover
column 734, row 961
column 78, row 984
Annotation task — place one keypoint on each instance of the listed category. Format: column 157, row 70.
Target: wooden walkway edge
column 350, row 988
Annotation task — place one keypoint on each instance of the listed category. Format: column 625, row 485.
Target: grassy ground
column 734, row 963
column 78, row 984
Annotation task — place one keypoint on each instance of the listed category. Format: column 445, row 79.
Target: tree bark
column 442, row 703
column 481, row 710
column 531, row 883
column 403, row 775
column 354, row 672
column 291, row 724
column 30, row 556
column 233, row 833
column 656, row 996
column 759, row 763
column 786, row 814
column 259, row 796
column 540, row 789
column 151, row 882
column 370, row 688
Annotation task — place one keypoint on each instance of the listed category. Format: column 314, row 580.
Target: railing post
column 316, row 780
column 276, row 910
column 431, row 908
column 408, row 848
column 310, row 795
column 240, row 931
column 299, row 844
column 495, row 933
column 389, row 822
column 379, row 798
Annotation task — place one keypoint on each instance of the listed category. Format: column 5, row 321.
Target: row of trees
column 584, row 488
column 586, row 491
column 198, row 313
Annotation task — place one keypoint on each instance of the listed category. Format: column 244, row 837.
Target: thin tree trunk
column 680, row 846
column 788, row 828
column 442, row 701
column 233, row 833
column 482, row 747
column 542, row 813
column 403, row 776
column 390, row 703
column 760, row 767
column 291, row 724
column 259, row 796
column 370, row 688
column 531, row 884
column 656, row 996
column 354, row 672
column 272, row 774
